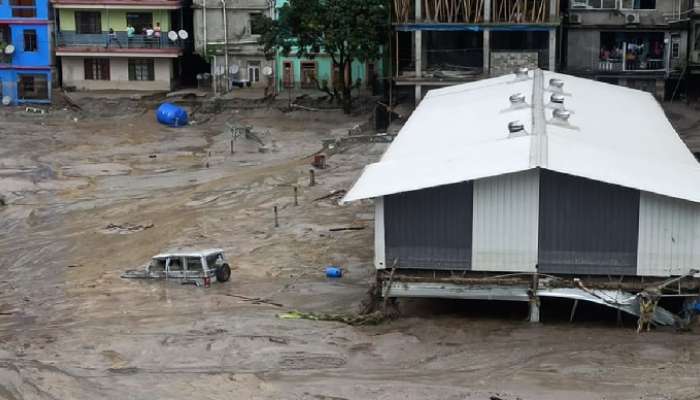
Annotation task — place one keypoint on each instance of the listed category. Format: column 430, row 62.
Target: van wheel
column 223, row 273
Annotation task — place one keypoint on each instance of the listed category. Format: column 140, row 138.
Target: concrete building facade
column 638, row 44
column 25, row 52
column 441, row 43
column 119, row 45
column 226, row 35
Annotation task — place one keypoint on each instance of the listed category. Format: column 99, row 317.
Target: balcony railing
column 117, row 40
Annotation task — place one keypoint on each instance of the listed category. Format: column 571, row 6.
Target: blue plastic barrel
column 333, row 271
column 171, row 115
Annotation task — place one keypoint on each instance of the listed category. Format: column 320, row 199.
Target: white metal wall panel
column 379, row 247
column 505, row 222
column 669, row 235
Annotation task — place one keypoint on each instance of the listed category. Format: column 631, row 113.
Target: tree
column 345, row 30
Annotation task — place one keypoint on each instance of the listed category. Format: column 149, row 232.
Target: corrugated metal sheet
column 430, row 228
column 587, row 227
column 379, row 247
column 506, row 210
column 669, row 235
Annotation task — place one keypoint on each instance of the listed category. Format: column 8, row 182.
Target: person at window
column 112, row 37
column 149, row 36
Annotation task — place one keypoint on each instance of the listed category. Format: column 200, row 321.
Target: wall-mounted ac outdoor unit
column 631, row 18
column 574, row 18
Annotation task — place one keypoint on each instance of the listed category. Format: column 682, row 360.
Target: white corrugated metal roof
column 615, row 135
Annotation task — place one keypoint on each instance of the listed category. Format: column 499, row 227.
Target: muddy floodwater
column 71, row 328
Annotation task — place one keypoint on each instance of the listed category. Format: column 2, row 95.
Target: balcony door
column 140, row 21
column 88, row 22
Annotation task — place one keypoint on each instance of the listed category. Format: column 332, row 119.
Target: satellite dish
column 172, row 35
column 220, row 70
column 233, row 69
column 6, row 100
column 9, row 49
column 267, row 71
column 200, row 77
column 183, row 34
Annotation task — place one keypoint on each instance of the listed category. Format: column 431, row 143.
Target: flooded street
column 71, row 328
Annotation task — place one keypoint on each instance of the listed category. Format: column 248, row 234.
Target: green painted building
column 306, row 73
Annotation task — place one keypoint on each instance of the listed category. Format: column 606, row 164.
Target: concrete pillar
column 418, row 7
column 487, row 51
column 553, row 9
column 551, row 65
column 534, row 309
column 487, row 10
column 418, row 61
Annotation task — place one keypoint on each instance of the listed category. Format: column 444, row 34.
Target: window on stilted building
column 97, row 69
column 141, row 69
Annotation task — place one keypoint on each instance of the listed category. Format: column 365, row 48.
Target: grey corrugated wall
column 587, row 227
column 430, row 228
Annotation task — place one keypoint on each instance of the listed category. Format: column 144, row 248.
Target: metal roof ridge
column 538, row 141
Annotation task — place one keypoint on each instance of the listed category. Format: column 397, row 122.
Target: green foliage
column 346, row 30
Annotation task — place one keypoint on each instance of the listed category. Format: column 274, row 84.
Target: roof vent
column 561, row 115
column 556, row 98
column 516, row 127
column 517, row 98
column 521, row 72
column 556, row 83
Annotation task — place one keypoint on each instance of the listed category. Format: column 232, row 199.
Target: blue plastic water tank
column 333, row 271
column 171, row 115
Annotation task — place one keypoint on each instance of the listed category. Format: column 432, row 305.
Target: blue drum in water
column 171, row 115
column 333, row 271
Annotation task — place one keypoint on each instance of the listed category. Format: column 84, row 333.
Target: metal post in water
column 296, row 196
column 312, row 177
column 277, row 223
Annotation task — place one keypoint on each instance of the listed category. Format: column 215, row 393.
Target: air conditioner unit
column 631, row 18
column 574, row 18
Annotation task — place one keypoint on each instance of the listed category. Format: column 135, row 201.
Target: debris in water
column 350, row 319
column 126, row 228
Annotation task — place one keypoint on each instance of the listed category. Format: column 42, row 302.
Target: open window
column 157, row 266
column 176, row 264
column 194, row 264
column 140, row 21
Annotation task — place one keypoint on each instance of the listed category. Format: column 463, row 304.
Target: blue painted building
column 25, row 51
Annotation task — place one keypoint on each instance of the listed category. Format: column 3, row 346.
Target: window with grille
column 23, row 8
column 88, row 22
column 97, row 69
column 30, row 43
column 141, row 69
column 33, row 87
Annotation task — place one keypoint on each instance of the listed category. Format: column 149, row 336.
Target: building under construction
column 443, row 42
column 537, row 184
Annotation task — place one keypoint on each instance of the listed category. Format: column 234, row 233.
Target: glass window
column 88, row 22
column 97, row 69
column 33, row 87
column 30, row 40
column 594, row 4
column 638, row 4
column 23, row 8
column 141, row 69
